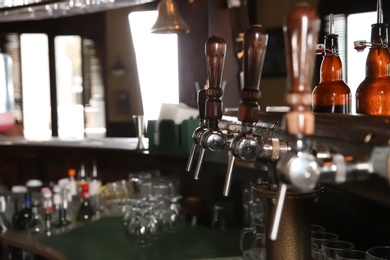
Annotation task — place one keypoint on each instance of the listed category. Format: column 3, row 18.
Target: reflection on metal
column 47, row 9
column 169, row 19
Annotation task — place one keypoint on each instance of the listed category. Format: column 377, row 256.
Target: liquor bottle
column 72, row 182
column 373, row 93
column 332, row 94
column 85, row 212
column 23, row 217
column 48, row 209
column 81, row 177
column 63, row 220
column 4, row 223
column 94, row 183
column 36, row 225
column 56, row 201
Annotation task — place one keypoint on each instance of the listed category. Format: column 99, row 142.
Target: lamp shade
column 169, row 20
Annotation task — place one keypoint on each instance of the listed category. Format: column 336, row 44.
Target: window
column 358, row 29
column 349, row 29
column 157, row 63
column 80, row 110
column 35, row 86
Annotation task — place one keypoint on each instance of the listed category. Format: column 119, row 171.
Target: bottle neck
column 379, row 35
column 84, row 196
column 331, row 45
column 27, row 200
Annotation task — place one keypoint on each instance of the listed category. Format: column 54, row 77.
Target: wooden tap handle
column 301, row 30
column 202, row 96
column 215, row 50
column 255, row 44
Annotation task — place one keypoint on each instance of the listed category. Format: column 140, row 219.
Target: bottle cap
column 63, row 182
column 19, row 189
column 72, row 172
column 57, row 188
column 46, row 192
column 34, row 183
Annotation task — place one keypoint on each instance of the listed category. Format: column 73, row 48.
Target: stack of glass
column 148, row 206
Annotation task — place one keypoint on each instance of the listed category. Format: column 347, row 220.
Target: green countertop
column 106, row 239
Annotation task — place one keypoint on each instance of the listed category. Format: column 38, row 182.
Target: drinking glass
column 320, row 237
column 350, row 255
column 140, row 226
column 330, row 248
column 315, row 227
column 252, row 237
column 254, row 254
column 222, row 214
column 378, row 253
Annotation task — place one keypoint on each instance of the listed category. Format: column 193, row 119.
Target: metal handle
column 201, row 100
column 278, row 212
column 229, row 174
column 199, row 164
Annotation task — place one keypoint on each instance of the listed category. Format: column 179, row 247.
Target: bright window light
column 36, row 86
column 69, row 81
column 357, row 29
column 157, row 63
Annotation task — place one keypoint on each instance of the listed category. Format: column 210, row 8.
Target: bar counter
column 107, row 238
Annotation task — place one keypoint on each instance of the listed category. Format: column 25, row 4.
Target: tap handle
column 191, row 156
column 301, row 30
column 215, row 50
column 228, row 178
column 278, row 212
column 199, row 164
column 198, row 132
column 255, row 44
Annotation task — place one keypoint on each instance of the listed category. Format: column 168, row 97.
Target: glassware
column 351, row 255
column 254, row 254
column 253, row 237
column 85, row 211
column 140, row 226
column 373, row 92
column 318, row 238
column 330, row 248
column 315, row 227
column 222, row 215
column 114, row 197
column 332, row 94
column 378, row 253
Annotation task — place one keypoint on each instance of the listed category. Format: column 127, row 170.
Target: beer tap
column 299, row 165
column 245, row 145
column 212, row 138
column 201, row 100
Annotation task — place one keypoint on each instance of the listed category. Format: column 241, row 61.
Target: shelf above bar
column 49, row 9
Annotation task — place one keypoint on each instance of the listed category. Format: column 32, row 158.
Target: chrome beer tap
column 246, row 145
column 301, row 30
column 197, row 134
column 212, row 138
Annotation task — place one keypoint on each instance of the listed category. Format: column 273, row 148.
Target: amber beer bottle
column 373, row 93
column 332, row 94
